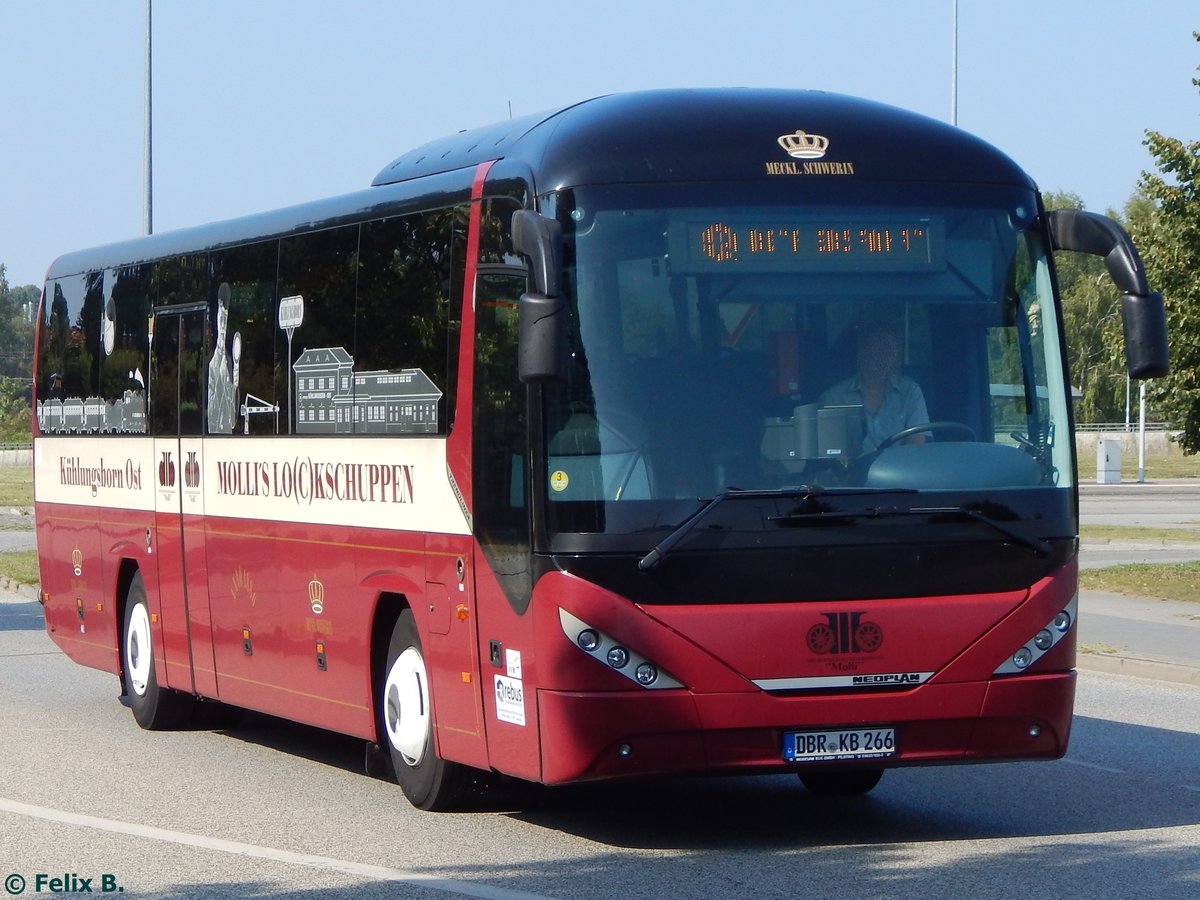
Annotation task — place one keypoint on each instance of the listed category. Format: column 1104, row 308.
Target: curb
column 1139, row 668
column 24, row 591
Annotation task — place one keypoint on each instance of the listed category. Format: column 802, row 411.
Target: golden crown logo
column 77, row 561
column 316, row 596
column 802, row 145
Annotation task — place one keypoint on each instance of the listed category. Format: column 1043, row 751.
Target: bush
column 16, row 422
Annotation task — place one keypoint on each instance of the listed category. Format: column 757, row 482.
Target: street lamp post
column 147, row 150
column 954, row 67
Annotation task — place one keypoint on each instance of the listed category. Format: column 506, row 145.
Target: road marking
column 312, row 861
column 1086, row 765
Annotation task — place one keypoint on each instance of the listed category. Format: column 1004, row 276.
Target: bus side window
column 408, row 321
column 249, row 273
column 70, row 353
column 322, row 268
column 125, row 340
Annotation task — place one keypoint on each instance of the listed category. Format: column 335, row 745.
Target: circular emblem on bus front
column 559, row 481
column 869, row 637
column 820, row 639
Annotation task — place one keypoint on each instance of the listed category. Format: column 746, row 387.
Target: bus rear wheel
column 154, row 707
column 406, row 721
column 840, row 783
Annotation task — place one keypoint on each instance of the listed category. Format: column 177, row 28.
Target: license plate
column 856, row 743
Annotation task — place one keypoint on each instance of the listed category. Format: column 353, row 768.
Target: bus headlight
column 588, row 640
column 1045, row 638
column 646, row 674
column 614, row 655
column 618, row 657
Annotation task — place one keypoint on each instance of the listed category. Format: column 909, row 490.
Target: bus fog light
column 1062, row 622
column 1022, row 658
column 647, row 674
column 1035, row 730
column 589, row 639
column 625, row 750
column 1043, row 640
column 618, row 657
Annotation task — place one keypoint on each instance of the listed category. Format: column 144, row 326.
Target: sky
column 260, row 104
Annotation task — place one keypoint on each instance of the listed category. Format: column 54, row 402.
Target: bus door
column 503, row 574
column 177, row 421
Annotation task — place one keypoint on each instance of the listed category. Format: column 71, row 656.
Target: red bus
column 658, row 434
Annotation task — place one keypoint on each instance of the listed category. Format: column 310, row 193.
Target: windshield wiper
column 1024, row 538
column 805, row 493
column 1033, row 542
column 663, row 547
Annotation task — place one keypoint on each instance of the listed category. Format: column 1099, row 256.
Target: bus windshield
column 905, row 339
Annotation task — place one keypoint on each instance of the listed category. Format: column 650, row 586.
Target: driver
column 890, row 401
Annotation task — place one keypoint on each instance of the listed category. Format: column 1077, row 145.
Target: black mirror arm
column 1086, row 232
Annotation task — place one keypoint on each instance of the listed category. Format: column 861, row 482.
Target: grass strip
column 20, row 566
column 1165, row 581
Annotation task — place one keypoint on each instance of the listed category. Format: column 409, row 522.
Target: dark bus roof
column 714, row 134
column 649, row 136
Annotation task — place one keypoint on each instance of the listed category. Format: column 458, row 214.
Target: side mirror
column 1144, row 320
column 542, row 313
column 1143, row 315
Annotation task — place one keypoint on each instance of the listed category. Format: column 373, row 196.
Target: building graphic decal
column 331, row 398
column 74, row 415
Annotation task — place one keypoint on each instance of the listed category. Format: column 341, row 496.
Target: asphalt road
column 1165, row 504
column 271, row 809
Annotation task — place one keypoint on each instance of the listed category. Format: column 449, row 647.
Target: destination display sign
column 766, row 243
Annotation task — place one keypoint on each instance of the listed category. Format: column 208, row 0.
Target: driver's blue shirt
column 903, row 406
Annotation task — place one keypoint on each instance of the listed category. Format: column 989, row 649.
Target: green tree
column 1168, row 238
column 16, row 358
column 16, row 328
column 15, row 414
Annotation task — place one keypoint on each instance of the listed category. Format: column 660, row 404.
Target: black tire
column 406, row 726
column 154, row 708
column 840, row 782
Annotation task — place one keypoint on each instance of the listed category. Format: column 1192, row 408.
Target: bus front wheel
column 154, row 707
column 428, row 781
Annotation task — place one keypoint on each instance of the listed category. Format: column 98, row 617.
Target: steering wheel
column 966, row 431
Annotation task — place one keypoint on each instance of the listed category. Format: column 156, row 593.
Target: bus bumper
column 591, row 736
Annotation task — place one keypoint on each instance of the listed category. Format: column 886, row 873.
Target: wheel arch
column 388, row 607
column 126, row 571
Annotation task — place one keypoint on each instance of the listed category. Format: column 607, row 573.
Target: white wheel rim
column 406, row 706
column 139, row 656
